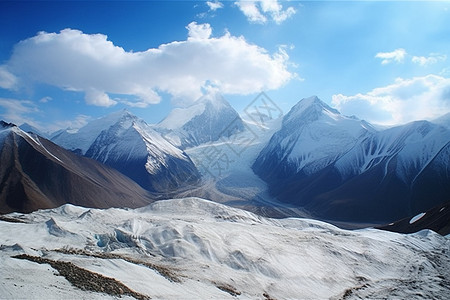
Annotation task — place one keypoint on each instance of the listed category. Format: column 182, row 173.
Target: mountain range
column 342, row 168
column 314, row 162
column 130, row 145
column 35, row 174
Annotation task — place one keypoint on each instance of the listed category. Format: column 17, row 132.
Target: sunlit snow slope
column 196, row 249
column 342, row 168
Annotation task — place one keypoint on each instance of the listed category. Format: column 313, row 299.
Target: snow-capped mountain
column 443, row 121
column 134, row 148
column 196, row 249
column 207, row 120
column 36, row 174
column 343, row 169
column 80, row 140
column 313, row 135
column 31, row 129
column 128, row 144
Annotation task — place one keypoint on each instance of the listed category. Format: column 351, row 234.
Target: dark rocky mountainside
column 36, row 173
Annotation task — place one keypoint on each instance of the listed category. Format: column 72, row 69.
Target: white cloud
column 45, row 99
column 403, row 101
column 89, row 63
column 18, row 111
column 398, row 56
column 251, row 11
column 260, row 10
column 98, row 98
column 426, row 61
column 7, row 80
column 199, row 31
column 213, row 6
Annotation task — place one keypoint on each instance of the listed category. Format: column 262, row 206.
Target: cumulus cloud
column 261, row 10
column 7, row 80
column 403, row 101
column 92, row 64
column 213, row 6
column 199, row 31
column 18, row 111
column 426, row 61
column 398, row 56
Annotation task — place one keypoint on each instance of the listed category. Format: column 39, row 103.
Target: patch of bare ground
column 162, row 270
column 267, row 296
column 227, row 288
column 11, row 220
column 86, row 280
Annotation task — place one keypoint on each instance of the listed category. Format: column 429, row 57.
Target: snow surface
column 226, row 164
column 417, row 218
column 206, row 246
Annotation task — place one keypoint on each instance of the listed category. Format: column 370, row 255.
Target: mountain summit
column 313, row 135
column 128, row 144
column 207, row 120
column 341, row 168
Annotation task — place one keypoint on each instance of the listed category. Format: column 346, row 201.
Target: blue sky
column 65, row 63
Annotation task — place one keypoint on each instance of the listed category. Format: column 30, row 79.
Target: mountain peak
column 4, row 124
column 310, row 109
column 206, row 120
column 314, row 102
column 215, row 99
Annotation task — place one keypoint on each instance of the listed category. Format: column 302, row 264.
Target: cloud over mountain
column 403, row 101
column 90, row 63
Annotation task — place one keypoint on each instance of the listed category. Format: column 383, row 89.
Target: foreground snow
column 196, row 249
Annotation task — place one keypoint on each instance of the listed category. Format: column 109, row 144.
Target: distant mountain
column 128, row 144
column 443, row 121
column 29, row 128
column 80, row 140
column 341, row 168
column 207, row 120
column 35, row 173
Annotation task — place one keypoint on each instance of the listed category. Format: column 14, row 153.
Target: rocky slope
column 35, row 173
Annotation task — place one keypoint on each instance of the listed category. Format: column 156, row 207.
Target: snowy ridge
column 213, row 251
column 157, row 147
column 6, row 130
column 130, row 139
column 413, row 146
column 178, row 117
column 313, row 136
column 84, row 137
column 207, row 120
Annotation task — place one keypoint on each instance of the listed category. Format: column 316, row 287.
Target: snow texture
column 195, row 249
